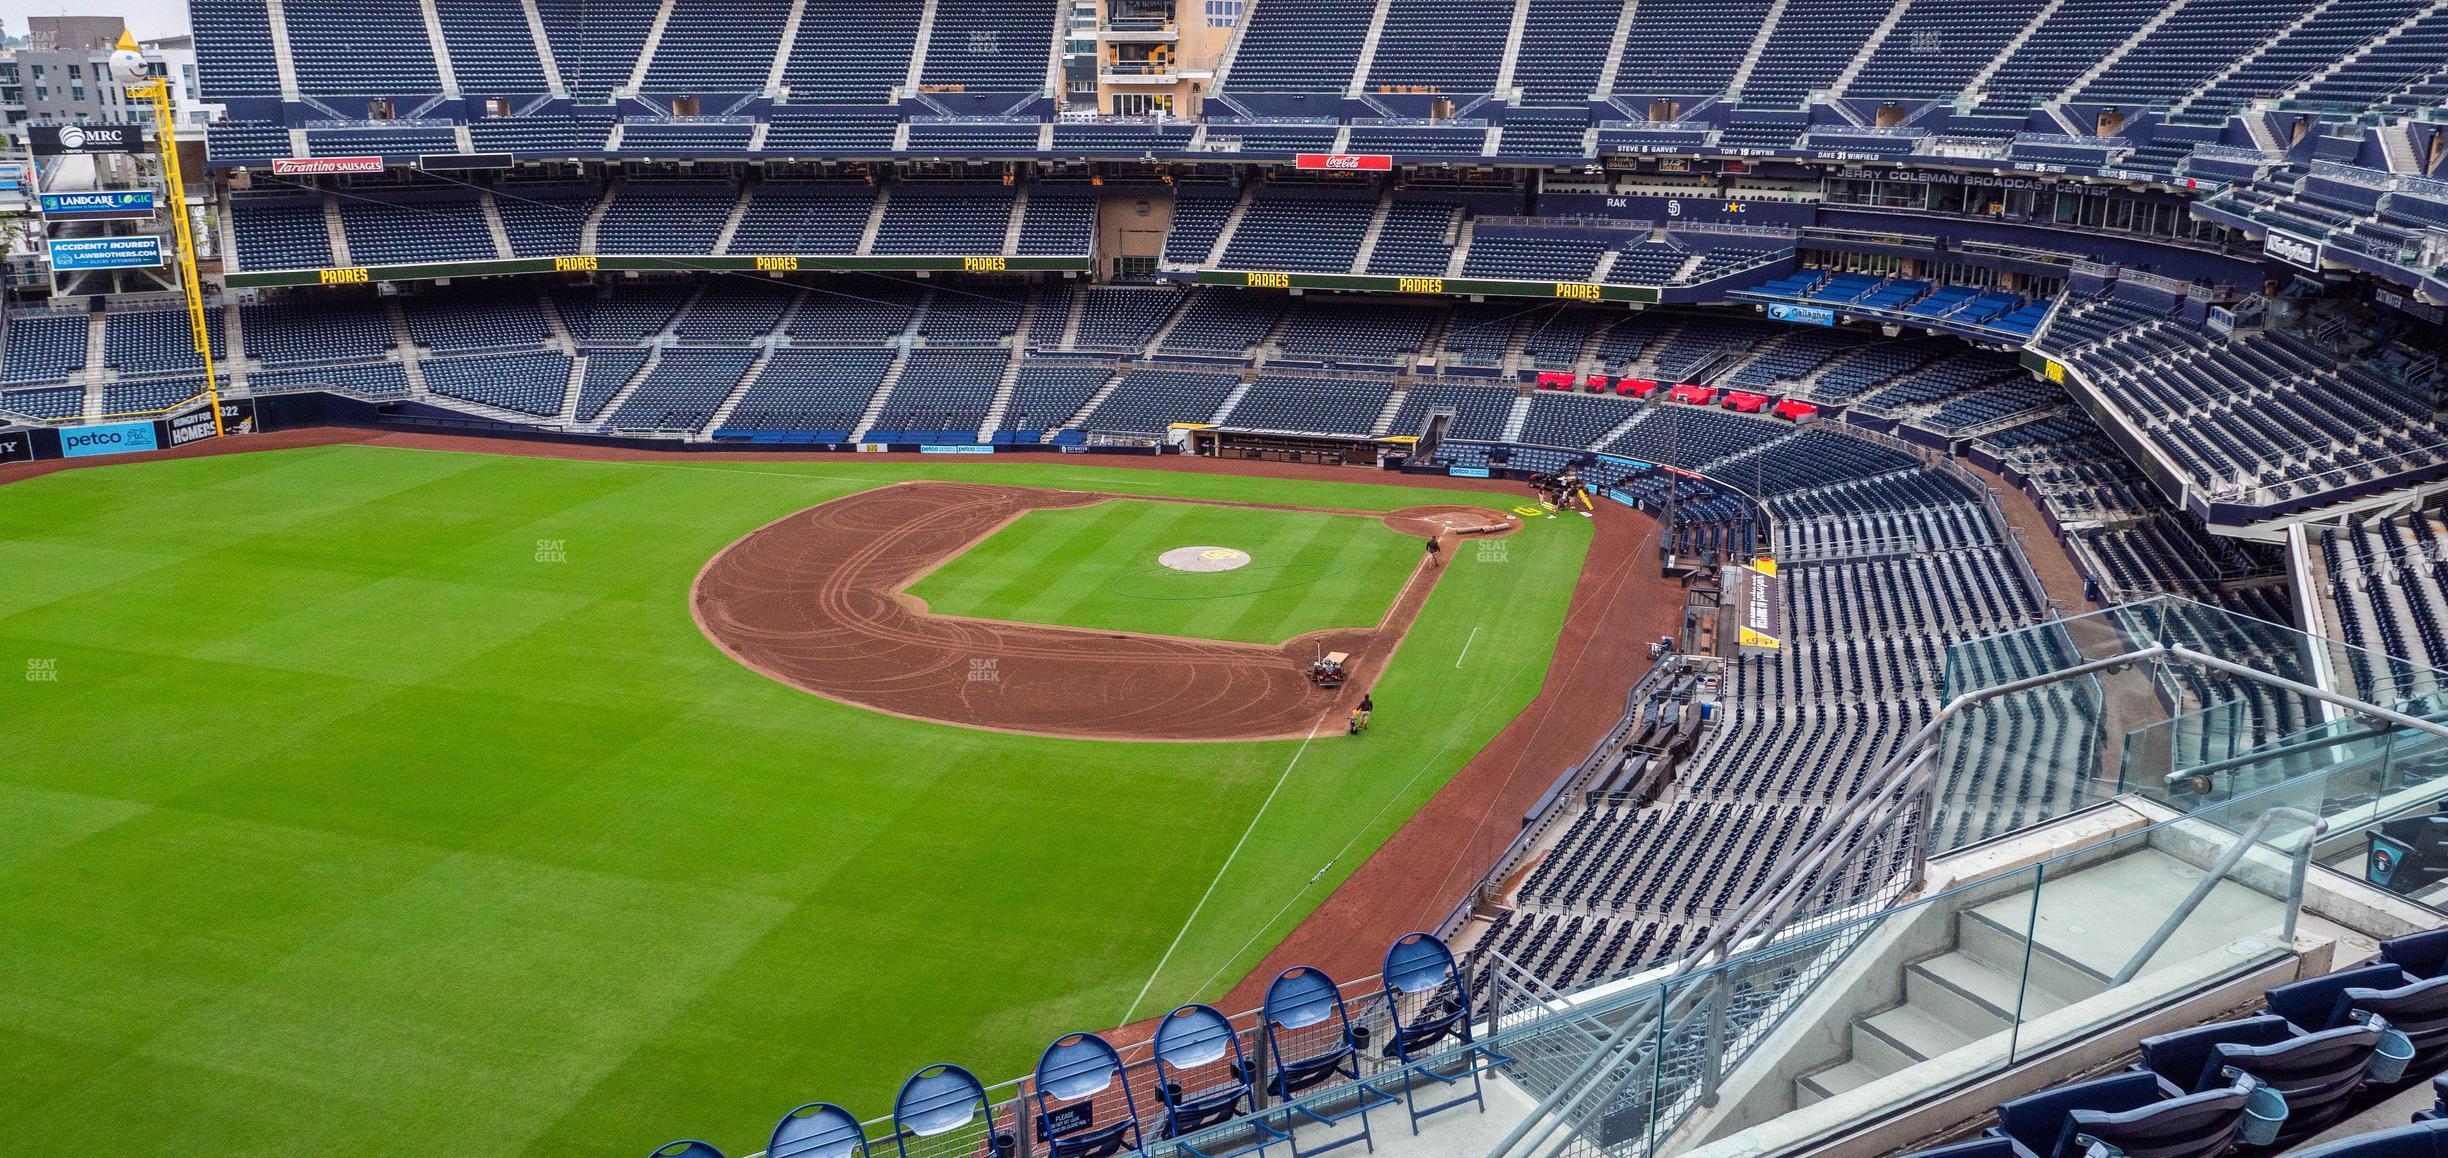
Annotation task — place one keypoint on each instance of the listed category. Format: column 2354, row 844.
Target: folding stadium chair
column 2133, row 1112
column 817, row 1130
column 686, row 1148
column 2317, row 1073
column 943, row 1099
column 1188, row 1041
column 1421, row 974
column 1310, row 1041
column 1070, row 1074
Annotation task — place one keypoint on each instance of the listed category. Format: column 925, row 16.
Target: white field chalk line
column 1466, row 646
column 1220, row 871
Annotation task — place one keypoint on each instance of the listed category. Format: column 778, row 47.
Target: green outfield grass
column 1097, row 567
column 374, row 801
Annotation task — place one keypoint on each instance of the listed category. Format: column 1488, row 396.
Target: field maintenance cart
column 1329, row 671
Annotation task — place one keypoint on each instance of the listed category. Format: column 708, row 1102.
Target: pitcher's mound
column 1204, row 559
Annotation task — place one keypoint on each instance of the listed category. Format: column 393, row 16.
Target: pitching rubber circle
column 1204, row 559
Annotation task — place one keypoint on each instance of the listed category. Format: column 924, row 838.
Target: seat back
column 1424, row 995
column 1076, row 1075
column 2193, row 1126
column 2418, row 1010
column 817, row 1130
column 2420, row 1140
column 2036, row 1121
column 1201, row 1072
column 1308, row 1030
column 686, row 1148
column 2315, row 1072
column 943, row 1099
column 2423, row 954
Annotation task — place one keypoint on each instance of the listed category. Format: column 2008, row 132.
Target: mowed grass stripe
column 568, row 881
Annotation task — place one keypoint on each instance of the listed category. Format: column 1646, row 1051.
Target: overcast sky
column 148, row 17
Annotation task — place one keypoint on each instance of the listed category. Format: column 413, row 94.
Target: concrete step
column 1834, row 1080
column 2005, row 948
column 1957, row 989
column 1914, row 1033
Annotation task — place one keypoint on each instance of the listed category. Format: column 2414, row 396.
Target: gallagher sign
column 56, row 140
column 123, row 205
column 1346, row 162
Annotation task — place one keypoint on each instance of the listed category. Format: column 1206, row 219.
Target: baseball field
column 366, row 799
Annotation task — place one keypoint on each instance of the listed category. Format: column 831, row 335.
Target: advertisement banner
column 1805, row 315
column 237, row 417
column 16, row 446
column 461, row 162
column 1467, row 471
column 955, row 448
column 324, row 166
column 116, row 205
column 106, row 253
column 1345, row 162
column 15, row 175
column 106, row 438
column 2300, row 252
column 61, row 140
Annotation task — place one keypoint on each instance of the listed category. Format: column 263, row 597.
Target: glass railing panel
column 2124, row 924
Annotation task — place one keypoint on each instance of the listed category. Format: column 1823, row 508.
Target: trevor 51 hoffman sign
column 56, row 140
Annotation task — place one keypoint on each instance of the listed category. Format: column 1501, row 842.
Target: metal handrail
column 1907, row 774
column 2218, row 872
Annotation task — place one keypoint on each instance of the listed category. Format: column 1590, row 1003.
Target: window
column 1223, row 13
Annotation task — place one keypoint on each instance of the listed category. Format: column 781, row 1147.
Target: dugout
column 1282, row 446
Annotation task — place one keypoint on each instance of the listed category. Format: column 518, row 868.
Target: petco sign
column 325, row 166
column 108, row 438
column 1346, row 162
column 2295, row 251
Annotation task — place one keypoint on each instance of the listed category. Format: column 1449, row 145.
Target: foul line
column 1474, row 635
column 1161, row 962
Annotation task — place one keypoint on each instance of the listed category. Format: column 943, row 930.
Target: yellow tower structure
column 128, row 67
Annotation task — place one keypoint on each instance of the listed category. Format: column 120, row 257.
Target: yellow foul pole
column 157, row 89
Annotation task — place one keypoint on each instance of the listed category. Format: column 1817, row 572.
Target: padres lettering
column 1580, row 291
column 1268, row 280
column 776, row 264
column 1419, row 285
column 984, row 264
column 573, row 264
column 353, row 275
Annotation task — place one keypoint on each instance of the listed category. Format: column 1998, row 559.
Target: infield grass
column 1096, row 567
column 377, row 801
